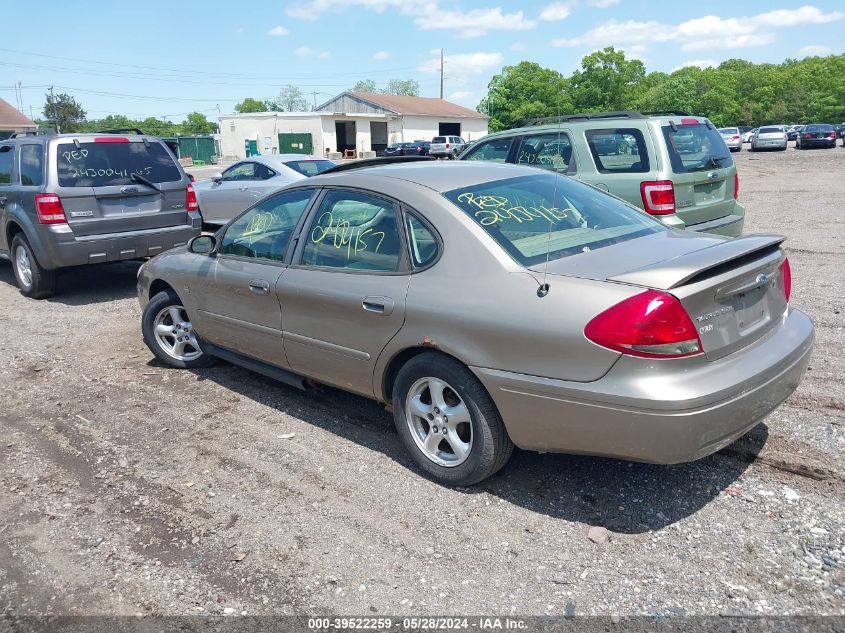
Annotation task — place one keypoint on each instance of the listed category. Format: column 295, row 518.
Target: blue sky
column 159, row 58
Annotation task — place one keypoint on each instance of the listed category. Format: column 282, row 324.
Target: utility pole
column 53, row 105
column 441, row 73
column 314, row 93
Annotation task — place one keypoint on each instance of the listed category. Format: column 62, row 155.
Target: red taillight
column 651, row 324
column 808, row 136
column 735, row 137
column 658, row 196
column 447, row 145
column 736, row 185
column 48, row 207
column 786, row 279
column 191, row 203
column 832, row 135
column 111, row 139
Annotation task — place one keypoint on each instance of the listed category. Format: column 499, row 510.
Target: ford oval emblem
column 762, row 278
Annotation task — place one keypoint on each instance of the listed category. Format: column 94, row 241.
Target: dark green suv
column 672, row 165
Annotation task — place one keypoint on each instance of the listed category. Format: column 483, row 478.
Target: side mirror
column 217, row 178
column 202, row 244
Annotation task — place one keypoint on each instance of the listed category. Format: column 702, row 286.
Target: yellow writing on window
column 343, row 235
column 493, row 209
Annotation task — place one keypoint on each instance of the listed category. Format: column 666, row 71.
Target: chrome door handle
column 378, row 305
column 244, row 187
column 259, row 287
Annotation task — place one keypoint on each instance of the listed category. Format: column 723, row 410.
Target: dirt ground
column 129, row 488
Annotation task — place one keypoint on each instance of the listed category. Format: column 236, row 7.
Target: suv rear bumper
column 662, row 412
column 729, row 225
column 62, row 249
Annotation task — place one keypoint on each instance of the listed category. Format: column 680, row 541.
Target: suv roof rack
column 122, row 130
column 38, row 132
column 665, row 112
column 588, row 116
column 375, row 162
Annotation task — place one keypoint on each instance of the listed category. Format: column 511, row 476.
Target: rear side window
column 309, row 167
column 618, row 150
column 113, row 163
column 495, row 151
column 32, row 165
column 695, row 148
column 6, row 155
column 422, row 242
column 549, row 151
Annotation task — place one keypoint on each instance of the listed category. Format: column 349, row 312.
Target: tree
column 63, row 111
column 606, row 81
column 291, row 99
column 254, row 105
column 406, row 87
column 524, row 92
column 196, row 123
column 365, row 85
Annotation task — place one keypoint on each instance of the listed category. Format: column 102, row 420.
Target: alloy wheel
column 24, row 266
column 175, row 334
column 439, row 421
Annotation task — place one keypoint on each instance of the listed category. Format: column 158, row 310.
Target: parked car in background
column 791, row 132
column 743, row 129
column 675, row 167
column 769, row 137
column 76, row 199
column 644, row 343
column 816, row 135
column 225, row 195
column 395, row 149
column 746, row 137
column 732, row 138
column 421, row 147
column 446, row 146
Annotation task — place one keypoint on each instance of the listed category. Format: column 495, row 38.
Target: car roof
column 599, row 120
column 276, row 159
column 437, row 175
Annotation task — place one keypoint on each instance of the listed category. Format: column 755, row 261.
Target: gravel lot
column 130, row 488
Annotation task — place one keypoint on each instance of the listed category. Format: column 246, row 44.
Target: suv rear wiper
column 138, row 178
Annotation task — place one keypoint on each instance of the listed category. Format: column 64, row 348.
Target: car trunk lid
column 732, row 289
column 100, row 196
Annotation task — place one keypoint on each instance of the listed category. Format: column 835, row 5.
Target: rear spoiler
column 707, row 262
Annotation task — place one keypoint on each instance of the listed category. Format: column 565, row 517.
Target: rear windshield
column 309, row 167
column 696, row 148
column 818, row 128
column 108, row 164
column 728, row 130
column 545, row 212
column 438, row 139
column 769, row 130
column 618, row 151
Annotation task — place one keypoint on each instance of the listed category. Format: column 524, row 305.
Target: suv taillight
column 786, row 279
column 736, row 186
column 191, row 203
column 658, row 196
column 48, row 207
column 651, row 324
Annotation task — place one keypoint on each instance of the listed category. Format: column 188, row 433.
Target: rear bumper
column 656, row 411
column 729, row 225
column 67, row 250
column 819, row 142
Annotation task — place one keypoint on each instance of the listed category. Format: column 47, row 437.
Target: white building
column 361, row 121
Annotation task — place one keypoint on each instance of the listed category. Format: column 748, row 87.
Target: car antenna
column 543, row 290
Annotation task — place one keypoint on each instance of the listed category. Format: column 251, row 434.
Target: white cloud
column 278, row 30
column 794, row 17
column 464, row 68
column 312, row 9
column 475, row 22
column 461, row 95
column 814, row 50
column 603, row 4
column 554, row 12
column 705, row 33
column 698, row 63
column 307, row 51
column 381, row 55
column 518, row 47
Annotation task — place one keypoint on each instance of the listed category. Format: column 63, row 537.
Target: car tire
column 181, row 347
column 474, row 445
column 34, row 281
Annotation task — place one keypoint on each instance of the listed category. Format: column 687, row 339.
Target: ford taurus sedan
column 490, row 306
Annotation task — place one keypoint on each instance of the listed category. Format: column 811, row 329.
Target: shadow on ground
column 622, row 496
column 88, row 284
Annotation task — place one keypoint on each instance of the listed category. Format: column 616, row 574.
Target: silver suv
column 75, row 199
column 446, row 146
column 674, row 166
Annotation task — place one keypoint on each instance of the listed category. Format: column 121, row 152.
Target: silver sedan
column 491, row 306
column 225, row 195
column 732, row 138
column 769, row 137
